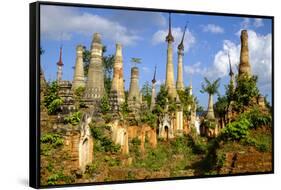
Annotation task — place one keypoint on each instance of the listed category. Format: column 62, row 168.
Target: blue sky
column 208, row 39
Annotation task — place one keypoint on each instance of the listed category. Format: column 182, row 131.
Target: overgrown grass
column 50, row 142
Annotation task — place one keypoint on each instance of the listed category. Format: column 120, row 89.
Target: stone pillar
column 94, row 90
column 118, row 80
column 244, row 66
column 169, row 83
column 179, row 121
column 210, row 111
column 134, row 93
column 59, row 74
column 78, row 78
column 180, row 84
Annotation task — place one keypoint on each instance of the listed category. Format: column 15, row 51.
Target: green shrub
column 91, row 168
column 209, row 123
column 59, row 177
column 52, row 101
column 149, row 118
column 136, row 141
column 197, row 144
column 179, row 145
column 103, row 143
column 73, row 118
column 49, row 142
column 53, row 139
column 257, row 118
column 237, row 130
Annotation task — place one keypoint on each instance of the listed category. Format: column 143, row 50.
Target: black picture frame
column 34, row 91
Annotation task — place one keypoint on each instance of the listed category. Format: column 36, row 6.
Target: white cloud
column 61, row 23
column 146, row 69
column 259, row 54
column 258, row 22
column 160, row 37
column 195, row 69
column 250, row 23
column 213, row 28
column 246, row 23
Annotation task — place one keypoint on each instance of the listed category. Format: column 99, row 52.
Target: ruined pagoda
column 169, row 83
column 244, row 66
column 59, row 64
column 117, row 87
column 134, row 97
column 94, row 89
column 179, row 83
column 78, row 78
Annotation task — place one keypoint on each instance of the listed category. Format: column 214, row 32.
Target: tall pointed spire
column 169, row 37
column 231, row 73
column 179, row 83
column 59, row 64
column 153, row 91
column 60, row 59
column 169, row 83
column 230, row 67
column 181, row 46
column 154, row 80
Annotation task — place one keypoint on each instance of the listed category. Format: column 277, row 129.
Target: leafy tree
column 124, row 109
column 200, row 109
column 73, row 118
column 245, row 91
column 146, row 92
column 108, row 63
column 78, row 94
column 52, row 101
column 86, row 60
column 211, row 89
column 149, row 118
column 186, row 100
column 221, row 107
column 135, row 60
column 161, row 101
column 105, row 106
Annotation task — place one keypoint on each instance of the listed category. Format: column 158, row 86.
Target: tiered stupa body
column 79, row 77
column 244, row 66
column 134, row 98
column 180, row 84
column 117, row 88
column 169, row 83
column 94, row 89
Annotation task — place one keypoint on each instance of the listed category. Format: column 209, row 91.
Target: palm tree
column 135, row 61
column 211, row 89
